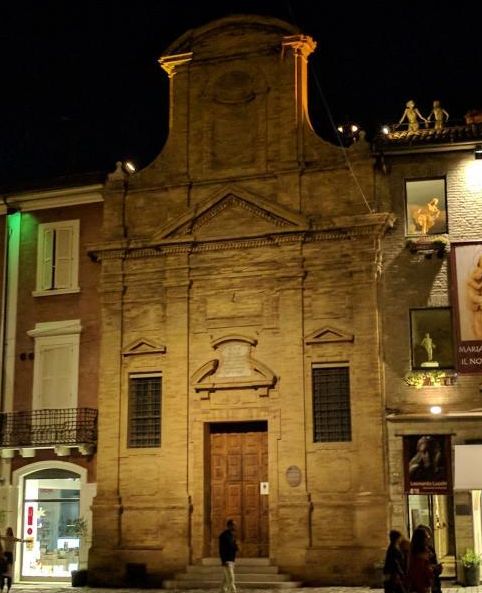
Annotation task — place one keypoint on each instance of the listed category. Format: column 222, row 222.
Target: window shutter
column 56, row 377
column 63, row 258
column 47, row 247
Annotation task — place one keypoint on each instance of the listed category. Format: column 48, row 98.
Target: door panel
column 239, row 462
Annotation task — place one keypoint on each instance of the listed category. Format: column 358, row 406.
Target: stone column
column 107, row 507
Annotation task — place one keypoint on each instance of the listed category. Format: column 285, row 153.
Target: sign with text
column 467, row 301
column 427, row 464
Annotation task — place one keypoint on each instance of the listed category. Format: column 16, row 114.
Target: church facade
column 239, row 370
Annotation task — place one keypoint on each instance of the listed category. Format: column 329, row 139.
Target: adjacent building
column 431, row 179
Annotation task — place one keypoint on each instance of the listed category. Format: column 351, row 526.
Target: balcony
column 58, row 429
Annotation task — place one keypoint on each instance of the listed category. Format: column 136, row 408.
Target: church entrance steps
column 251, row 573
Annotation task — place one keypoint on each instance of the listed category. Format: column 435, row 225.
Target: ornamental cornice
column 372, row 225
column 170, row 63
column 302, row 45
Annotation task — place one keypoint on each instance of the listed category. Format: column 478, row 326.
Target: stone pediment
column 231, row 213
column 234, row 369
column 143, row 346
column 328, row 335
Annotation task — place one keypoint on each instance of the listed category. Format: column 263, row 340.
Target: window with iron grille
column 144, row 411
column 331, row 404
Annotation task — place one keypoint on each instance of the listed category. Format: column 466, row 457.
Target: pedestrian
column 420, row 572
column 227, row 552
column 437, row 567
column 5, row 571
column 394, row 567
column 9, row 540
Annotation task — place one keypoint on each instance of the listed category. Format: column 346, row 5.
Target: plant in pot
column 471, row 568
column 78, row 528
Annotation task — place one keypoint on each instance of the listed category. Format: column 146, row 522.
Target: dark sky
column 82, row 87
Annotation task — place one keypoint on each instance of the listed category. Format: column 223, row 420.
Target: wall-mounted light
column 435, row 410
column 478, row 151
column 385, row 130
column 129, row 167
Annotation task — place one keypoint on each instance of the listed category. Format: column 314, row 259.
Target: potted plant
column 471, row 568
column 78, row 528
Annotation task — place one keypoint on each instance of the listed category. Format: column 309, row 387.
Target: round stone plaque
column 293, row 475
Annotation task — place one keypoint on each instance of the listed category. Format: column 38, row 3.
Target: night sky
column 82, row 87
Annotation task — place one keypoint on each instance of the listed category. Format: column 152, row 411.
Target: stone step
column 215, row 584
column 251, row 573
column 239, row 562
column 240, row 568
column 240, row 577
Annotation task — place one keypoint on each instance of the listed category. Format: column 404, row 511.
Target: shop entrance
column 51, row 525
column 436, row 511
column 238, row 477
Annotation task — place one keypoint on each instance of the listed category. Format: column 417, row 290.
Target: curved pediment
column 231, row 212
column 235, row 368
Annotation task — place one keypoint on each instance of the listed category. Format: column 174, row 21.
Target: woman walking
column 420, row 572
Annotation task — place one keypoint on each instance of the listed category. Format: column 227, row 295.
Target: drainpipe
column 9, row 306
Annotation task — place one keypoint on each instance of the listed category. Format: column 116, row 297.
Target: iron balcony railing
column 44, row 428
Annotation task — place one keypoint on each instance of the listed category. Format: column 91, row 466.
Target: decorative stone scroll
column 234, row 369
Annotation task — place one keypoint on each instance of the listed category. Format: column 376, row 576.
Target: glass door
column 437, row 512
column 50, row 525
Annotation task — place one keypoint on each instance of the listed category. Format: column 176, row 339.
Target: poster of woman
column 467, row 299
column 427, row 464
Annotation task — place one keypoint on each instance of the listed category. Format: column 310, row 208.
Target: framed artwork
column 425, row 207
column 431, row 338
column 466, row 265
column 427, row 463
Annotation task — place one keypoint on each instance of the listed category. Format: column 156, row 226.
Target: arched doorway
column 52, row 519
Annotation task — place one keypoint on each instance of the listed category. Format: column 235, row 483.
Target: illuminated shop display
column 50, row 525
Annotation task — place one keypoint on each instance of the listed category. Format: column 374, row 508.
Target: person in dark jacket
column 394, row 567
column 227, row 553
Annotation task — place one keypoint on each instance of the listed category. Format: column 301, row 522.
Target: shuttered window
column 331, row 404
column 58, row 256
column 144, row 428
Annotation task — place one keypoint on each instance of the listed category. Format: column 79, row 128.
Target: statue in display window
column 428, row 345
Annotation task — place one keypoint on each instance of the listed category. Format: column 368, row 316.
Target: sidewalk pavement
column 64, row 588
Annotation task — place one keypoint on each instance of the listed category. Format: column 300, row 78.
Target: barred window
column 331, row 404
column 144, row 428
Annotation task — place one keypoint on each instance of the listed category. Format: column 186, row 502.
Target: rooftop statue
column 439, row 114
column 412, row 114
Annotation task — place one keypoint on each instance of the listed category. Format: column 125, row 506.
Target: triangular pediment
column 232, row 212
column 328, row 335
column 143, row 346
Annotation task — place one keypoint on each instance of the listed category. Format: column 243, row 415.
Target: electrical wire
column 332, row 123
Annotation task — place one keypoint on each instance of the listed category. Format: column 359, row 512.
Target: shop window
column 331, row 404
column 57, row 257
column 426, row 207
column 144, row 424
column 431, row 338
column 50, row 515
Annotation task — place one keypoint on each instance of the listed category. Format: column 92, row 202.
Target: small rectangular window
column 426, row 207
column 331, row 404
column 58, row 257
column 144, row 429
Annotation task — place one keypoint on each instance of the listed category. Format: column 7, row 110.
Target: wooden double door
column 238, row 484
